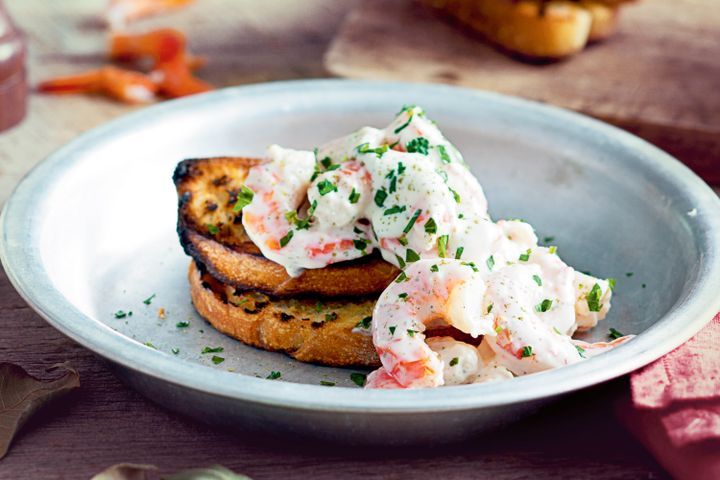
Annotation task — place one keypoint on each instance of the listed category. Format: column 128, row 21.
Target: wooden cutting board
column 658, row 77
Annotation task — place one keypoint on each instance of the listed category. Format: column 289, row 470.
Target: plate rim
column 23, row 267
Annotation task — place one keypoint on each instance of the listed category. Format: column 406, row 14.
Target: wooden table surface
column 105, row 422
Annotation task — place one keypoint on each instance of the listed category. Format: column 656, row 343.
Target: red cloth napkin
column 675, row 408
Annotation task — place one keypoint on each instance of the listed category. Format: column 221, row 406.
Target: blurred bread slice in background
column 535, row 29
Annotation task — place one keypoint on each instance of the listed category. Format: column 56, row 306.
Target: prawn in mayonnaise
column 406, row 191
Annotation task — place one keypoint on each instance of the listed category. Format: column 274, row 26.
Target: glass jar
column 13, row 78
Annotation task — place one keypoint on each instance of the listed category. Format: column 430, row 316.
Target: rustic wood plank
column 657, row 77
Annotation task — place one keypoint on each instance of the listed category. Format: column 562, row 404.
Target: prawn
column 166, row 48
column 294, row 218
column 531, row 320
column 428, row 293
column 524, row 322
column 462, row 364
column 123, row 85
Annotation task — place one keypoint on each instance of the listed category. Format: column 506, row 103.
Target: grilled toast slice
column 213, row 234
column 329, row 331
column 307, row 329
column 536, row 29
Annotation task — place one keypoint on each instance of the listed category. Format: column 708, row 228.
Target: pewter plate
column 91, row 231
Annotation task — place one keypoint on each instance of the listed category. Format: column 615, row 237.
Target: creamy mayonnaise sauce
column 406, row 191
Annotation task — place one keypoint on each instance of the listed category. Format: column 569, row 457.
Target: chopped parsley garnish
column 434, row 268
column 544, row 306
column 430, row 226
column 325, row 187
column 217, row 360
column 411, row 256
column 213, row 229
column 301, row 223
column 400, row 260
column 611, row 283
column 380, row 197
column 593, row 298
column 629, row 274
column 149, row 344
column 360, row 244
column 455, row 195
column 471, row 265
column 490, row 262
column 212, row 350
column 412, row 221
column 175, row 351
column 393, row 185
column 552, row 249
column 489, row 308
column 454, row 361
column 538, row 280
column 403, row 241
column 442, row 242
column 326, row 162
column 182, row 324
column 459, row 252
column 525, row 256
column 364, row 323
column 443, row 153
column 358, row 379
column 365, row 148
column 392, row 330
column 120, row 314
column 527, row 351
column 394, row 209
column 149, row 300
column 286, row 239
column 244, row 198
column 614, row 334
column 403, row 296
column 580, row 350
column 319, row 307
column 443, row 174
column 325, row 383
column 402, row 127
column 329, row 317
column 411, row 332
column 354, row 196
column 548, row 239
column 418, row 145
column 401, row 168
column 401, row 278
column 274, row 375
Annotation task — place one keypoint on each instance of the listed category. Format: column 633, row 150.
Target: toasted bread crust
column 256, row 273
column 536, row 29
column 305, row 329
column 207, row 190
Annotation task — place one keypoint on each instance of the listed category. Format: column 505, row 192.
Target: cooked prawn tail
column 160, row 45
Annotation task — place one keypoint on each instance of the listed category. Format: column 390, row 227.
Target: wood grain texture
column 104, row 422
column 657, row 77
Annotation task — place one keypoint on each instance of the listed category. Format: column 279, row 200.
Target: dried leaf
column 21, row 395
column 216, row 472
column 125, row 471
column 133, row 471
